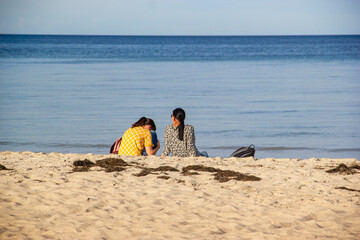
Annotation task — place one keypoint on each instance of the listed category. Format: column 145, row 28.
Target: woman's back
column 180, row 148
column 134, row 140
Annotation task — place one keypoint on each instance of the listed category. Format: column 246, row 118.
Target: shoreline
column 154, row 197
column 280, row 152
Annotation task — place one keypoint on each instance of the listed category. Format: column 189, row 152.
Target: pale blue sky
column 180, row 17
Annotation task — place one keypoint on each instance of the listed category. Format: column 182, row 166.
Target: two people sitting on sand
column 179, row 138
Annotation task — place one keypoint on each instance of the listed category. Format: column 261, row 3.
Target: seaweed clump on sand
column 2, row 167
column 227, row 175
column 190, row 170
column 348, row 189
column 342, row 168
column 164, row 177
column 109, row 164
column 112, row 164
column 146, row 171
column 220, row 175
column 83, row 165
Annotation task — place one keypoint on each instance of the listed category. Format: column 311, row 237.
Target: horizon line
column 180, row 35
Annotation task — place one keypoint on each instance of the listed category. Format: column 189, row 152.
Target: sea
column 290, row 96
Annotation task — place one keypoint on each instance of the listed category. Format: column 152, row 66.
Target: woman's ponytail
column 179, row 114
column 181, row 131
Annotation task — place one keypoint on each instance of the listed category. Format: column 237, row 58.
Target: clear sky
column 180, row 17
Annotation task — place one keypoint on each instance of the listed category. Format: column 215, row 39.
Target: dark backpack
column 116, row 146
column 244, row 152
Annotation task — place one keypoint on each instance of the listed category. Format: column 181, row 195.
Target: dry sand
column 42, row 198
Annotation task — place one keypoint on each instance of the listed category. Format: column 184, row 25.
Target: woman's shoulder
column 170, row 126
column 140, row 129
column 189, row 127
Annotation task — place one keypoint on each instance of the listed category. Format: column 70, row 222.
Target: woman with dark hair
column 138, row 137
column 180, row 137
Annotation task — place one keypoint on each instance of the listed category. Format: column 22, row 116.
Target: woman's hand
column 151, row 150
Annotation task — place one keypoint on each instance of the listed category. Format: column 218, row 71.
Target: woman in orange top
column 138, row 137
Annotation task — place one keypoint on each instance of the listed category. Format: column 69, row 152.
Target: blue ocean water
column 290, row 96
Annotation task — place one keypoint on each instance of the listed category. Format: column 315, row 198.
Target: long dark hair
column 179, row 114
column 145, row 121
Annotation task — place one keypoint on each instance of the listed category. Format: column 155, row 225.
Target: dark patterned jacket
column 185, row 148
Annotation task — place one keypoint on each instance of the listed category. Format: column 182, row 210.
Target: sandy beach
column 46, row 196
